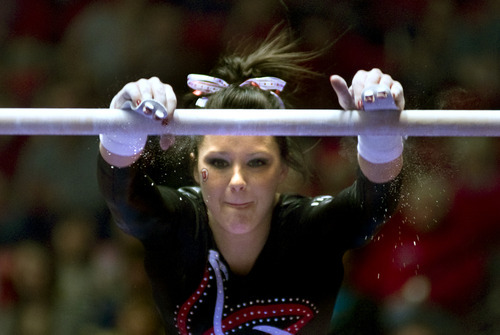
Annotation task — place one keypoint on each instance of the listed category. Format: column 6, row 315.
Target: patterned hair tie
column 203, row 84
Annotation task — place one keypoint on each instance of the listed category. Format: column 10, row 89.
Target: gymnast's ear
column 194, row 165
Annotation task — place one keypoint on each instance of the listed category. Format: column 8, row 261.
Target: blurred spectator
column 97, row 44
column 421, row 55
column 438, row 251
column 43, row 19
column 30, row 18
column 486, row 318
column 475, row 44
column 25, row 65
column 10, row 149
column 104, row 47
column 424, row 320
column 339, row 152
column 76, row 297
column 6, row 11
column 42, row 190
column 33, row 272
column 138, row 316
column 33, row 282
column 252, row 19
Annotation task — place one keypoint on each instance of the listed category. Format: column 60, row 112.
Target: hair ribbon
column 203, row 84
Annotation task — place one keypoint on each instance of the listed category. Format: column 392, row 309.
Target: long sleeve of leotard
column 139, row 206
column 353, row 216
column 373, row 204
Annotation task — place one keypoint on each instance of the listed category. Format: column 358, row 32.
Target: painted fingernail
column 159, row 115
column 382, row 94
column 138, row 102
column 165, row 122
column 148, row 108
column 360, row 104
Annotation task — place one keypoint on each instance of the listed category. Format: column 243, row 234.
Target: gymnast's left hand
column 350, row 97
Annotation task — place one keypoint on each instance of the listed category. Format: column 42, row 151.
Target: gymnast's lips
column 239, row 205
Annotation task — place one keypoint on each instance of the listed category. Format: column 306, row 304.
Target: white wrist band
column 380, row 149
column 373, row 148
column 123, row 145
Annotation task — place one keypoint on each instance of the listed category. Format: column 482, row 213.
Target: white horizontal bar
column 294, row 122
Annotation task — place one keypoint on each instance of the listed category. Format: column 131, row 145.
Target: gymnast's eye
column 218, row 163
column 257, row 162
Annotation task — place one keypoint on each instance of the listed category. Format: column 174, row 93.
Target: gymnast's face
column 239, row 177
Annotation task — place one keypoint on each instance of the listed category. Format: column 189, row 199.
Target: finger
column 166, row 141
column 158, row 94
column 358, row 85
column 158, row 90
column 386, row 80
column 398, row 94
column 145, row 89
column 129, row 92
column 343, row 92
column 373, row 77
column 171, row 103
column 163, row 94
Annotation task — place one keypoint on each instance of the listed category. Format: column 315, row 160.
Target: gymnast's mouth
column 239, row 205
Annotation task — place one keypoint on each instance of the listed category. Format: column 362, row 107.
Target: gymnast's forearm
column 118, row 160
column 381, row 172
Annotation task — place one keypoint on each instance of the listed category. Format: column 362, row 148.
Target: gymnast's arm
column 374, row 196
column 117, row 160
column 369, row 205
column 142, row 208
column 379, row 157
column 136, row 203
column 349, row 219
column 383, row 172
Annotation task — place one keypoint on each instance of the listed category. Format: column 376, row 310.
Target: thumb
column 343, row 93
column 166, row 141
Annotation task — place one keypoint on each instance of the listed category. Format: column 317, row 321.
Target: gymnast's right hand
column 147, row 89
column 123, row 150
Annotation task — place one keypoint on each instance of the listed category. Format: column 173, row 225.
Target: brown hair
column 276, row 56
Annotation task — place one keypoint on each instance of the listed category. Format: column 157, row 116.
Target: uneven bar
column 293, row 122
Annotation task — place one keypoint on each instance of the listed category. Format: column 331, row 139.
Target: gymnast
column 230, row 254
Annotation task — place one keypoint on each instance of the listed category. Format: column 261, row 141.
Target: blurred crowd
column 433, row 269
